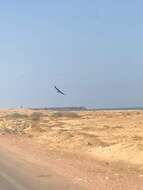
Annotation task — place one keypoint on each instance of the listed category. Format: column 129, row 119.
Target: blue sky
column 90, row 49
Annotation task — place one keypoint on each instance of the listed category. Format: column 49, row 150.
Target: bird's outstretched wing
column 59, row 91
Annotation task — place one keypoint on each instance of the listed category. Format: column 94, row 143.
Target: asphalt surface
column 17, row 174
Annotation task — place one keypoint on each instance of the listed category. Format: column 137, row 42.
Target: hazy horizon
column 91, row 50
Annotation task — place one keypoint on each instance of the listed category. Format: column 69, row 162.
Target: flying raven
column 59, row 91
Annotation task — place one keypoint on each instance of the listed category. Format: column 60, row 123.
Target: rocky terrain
column 113, row 135
column 100, row 148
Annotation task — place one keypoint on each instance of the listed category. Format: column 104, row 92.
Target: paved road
column 17, row 174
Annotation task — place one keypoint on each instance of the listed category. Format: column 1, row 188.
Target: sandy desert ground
column 109, row 143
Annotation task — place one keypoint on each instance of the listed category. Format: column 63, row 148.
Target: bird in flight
column 59, row 91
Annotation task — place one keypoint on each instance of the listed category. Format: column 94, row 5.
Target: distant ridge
column 63, row 108
column 82, row 108
column 121, row 108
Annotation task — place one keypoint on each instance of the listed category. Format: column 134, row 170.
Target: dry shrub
column 17, row 115
column 36, row 116
column 137, row 138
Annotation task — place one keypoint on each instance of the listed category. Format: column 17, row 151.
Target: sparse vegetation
column 36, row 116
column 17, row 115
column 137, row 138
column 14, row 126
column 118, row 127
column 95, row 132
column 71, row 115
